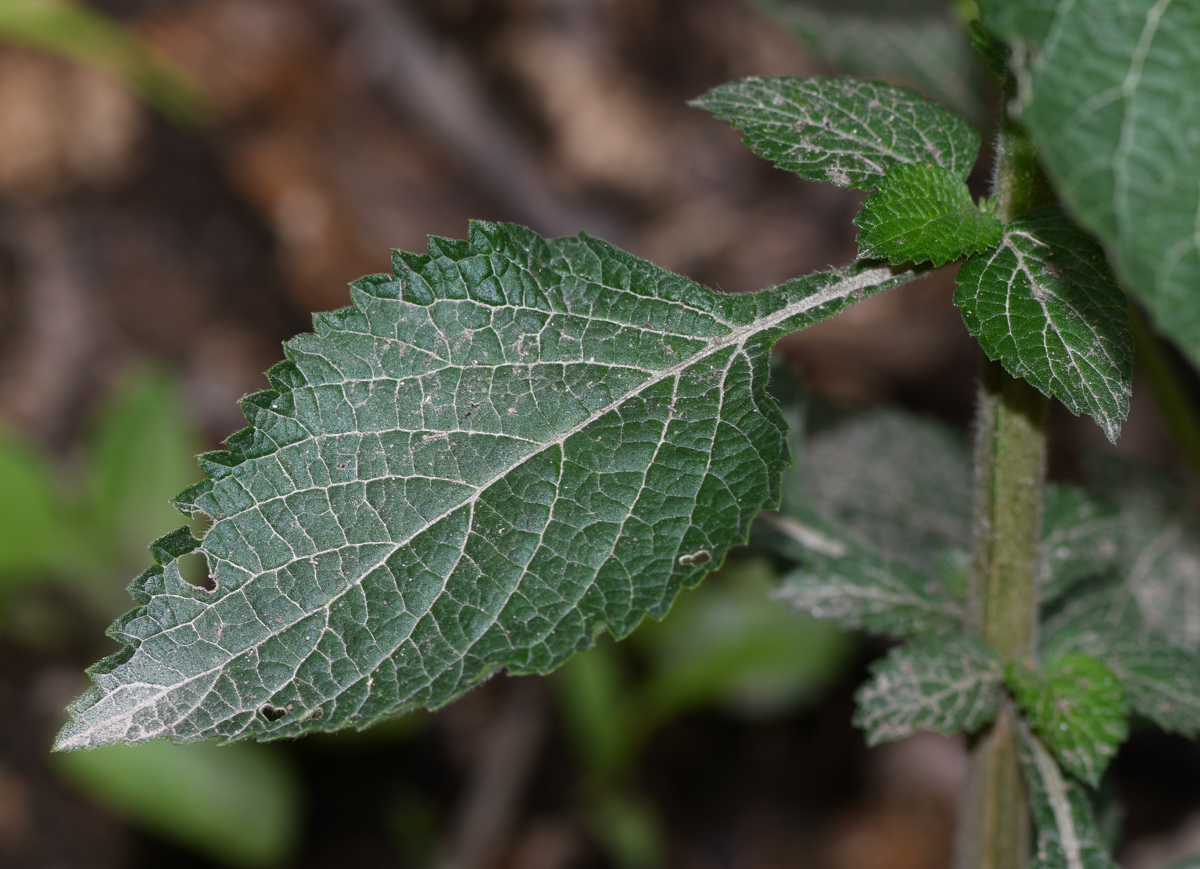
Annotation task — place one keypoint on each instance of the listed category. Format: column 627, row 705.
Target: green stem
column 1176, row 408
column 1010, row 449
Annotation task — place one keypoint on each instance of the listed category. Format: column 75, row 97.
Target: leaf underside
column 842, row 130
column 923, row 213
column 1108, row 97
column 502, row 449
column 1067, row 834
column 945, row 685
column 1044, row 305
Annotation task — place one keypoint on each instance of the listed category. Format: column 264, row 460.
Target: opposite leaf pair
column 1116, row 580
column 1037, row 292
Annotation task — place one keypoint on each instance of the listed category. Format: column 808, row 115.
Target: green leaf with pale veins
column 923, row 213
column 1161, row 682
column 1160, row 550
column 840, row 580
column 1108, row 93
column 946, row 685
column 1078, row 706
column 915, row 43
column 843, row 130
column 500, row 450
column 1080, row 539
column 1140, row 610
column 1044, row 305
column 1067, row 834
column 897, row 483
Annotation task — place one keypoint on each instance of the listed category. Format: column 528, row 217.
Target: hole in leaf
column 193, row 567
column 272, row 713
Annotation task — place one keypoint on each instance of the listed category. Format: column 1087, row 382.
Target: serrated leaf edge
column 847, row 285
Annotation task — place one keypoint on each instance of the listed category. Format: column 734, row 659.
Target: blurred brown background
column 334, row 131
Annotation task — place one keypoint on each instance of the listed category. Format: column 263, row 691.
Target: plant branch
column 1002, row 599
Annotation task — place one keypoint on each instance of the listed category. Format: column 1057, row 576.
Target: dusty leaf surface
column 503, row 448
column 843, row 130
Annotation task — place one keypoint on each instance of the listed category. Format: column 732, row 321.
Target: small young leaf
column 1067, row 834
column 849, row 132
column 946, row 685
column 923, row 213
column 1161, row 682
column 1044, row 305
column 863, row 591
column 1078, row 707
column 502, row 449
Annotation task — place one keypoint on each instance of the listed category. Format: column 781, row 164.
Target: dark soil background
column 339, row 129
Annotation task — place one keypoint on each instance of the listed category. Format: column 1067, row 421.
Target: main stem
column 1010, row 448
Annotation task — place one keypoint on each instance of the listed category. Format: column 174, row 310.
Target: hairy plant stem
column 1002, row 596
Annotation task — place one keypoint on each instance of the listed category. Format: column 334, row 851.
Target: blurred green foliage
column 80, row 33
column 80, row 525
column 726, row 644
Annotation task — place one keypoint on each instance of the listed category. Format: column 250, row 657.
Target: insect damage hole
column 695, row 559
column 272, row 713
column 193, row 567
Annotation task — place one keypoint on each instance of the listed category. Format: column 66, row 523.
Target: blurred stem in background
column 80, row 33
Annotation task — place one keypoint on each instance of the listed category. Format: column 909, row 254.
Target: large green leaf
column 915, row 43
column 849, row 132
column 1067, row 834
column 506, row 447
column 945, row 685
column 1108, row 93
column 923, row 213
column 1044, row 305
column 1078, row 706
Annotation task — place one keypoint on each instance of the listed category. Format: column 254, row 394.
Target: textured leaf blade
column 842, row 581
column 842, row 130
column 1044, row 305
column 1109, row 99
column 1078, row 706
column 945, row 685
column 1080, row 538
column 1161, row 682
column 1159, row 550
column 500, row 450
column 1067, row 834
column 897, row 483
column 916, row 43
column 924, row 213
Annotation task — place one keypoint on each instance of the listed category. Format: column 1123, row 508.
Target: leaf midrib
column 736, row 337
